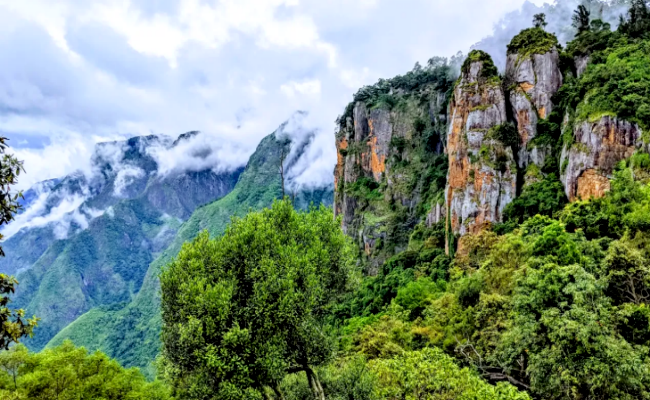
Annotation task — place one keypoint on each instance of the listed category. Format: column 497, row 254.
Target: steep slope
column 482, row 176
column 130, row 332
column 533, row 77
column 556, row 119
column 92, row 236
column 391, row 169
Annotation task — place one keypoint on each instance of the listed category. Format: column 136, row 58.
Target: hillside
column 130, row 332
column 89, row 237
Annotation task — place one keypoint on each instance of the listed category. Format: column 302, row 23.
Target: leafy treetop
column 13, row 324
column 242, row 311
column 532, row 41
column 488, row 68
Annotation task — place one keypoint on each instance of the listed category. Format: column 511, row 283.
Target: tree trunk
column 314, row 384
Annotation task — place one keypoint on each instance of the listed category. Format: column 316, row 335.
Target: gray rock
column 597, row 146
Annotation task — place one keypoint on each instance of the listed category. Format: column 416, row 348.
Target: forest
column 549, row 303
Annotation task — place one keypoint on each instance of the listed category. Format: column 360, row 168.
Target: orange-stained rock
column 526, row 86
column 377, row 160
column 481, row 178
column 598, row 147
column 592, row 184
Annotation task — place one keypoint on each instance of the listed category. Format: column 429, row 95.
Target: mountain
column 130, row 332
column 89, row 237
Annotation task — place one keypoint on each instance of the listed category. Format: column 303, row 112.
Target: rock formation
column 587, row 163
column 482, row 170
column 386, row 142
column 533, row 80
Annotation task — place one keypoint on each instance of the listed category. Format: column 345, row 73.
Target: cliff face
column 588, row 162
column 482, row 169
column 505, row 138
column 533, row 80
column 386, row 178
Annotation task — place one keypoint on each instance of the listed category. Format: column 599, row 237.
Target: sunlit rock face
column 482, row 171
column 587, row 164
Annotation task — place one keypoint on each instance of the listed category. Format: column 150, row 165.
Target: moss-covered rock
column 532, row 41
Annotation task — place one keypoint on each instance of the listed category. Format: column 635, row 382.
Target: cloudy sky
column 75, row 72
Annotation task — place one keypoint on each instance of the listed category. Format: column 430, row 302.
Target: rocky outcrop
column 532, row 80
column 385, row 145
column 587, row 163
column 482, row 170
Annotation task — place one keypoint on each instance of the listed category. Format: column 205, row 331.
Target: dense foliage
column 439, row 73
column 532, row 41
column 243, row 310
column 70, row 373
column 489, row 69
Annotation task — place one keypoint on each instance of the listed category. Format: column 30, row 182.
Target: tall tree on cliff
column 581, row 19
column 539, row 20
column 13, row 325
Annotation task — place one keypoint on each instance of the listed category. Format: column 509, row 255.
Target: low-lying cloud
column 199, row 152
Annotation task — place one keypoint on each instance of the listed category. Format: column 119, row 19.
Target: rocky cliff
column 482, row 169
column 510, row 142
column 587, row 161
column 390, row 171
column 533, row 77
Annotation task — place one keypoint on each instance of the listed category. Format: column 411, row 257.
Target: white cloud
column 199, row 152
column 61, row 216
column 125, row 176
column 309, row 88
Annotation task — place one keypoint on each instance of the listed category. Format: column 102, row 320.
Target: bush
column 532, row 41
column 430, row 374
column 489, row 70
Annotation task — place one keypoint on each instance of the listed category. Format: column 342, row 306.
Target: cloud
column 77, row 72
column 126, row 176
column 310, row 87
column 199, row 152
column 60, row 217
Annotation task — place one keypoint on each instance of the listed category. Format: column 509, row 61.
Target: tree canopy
column 243, row 310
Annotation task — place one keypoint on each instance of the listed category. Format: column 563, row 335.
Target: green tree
column 12, row 360
column 539, row 20
column 13, row 324
column 242, row 311
column 431, row 374
column 67, row 372
column 637, row 23
column 581, row 19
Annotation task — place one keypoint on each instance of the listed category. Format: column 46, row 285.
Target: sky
column 78, row 72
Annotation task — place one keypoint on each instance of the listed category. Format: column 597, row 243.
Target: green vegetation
column 130, row 332
column 545, row 197
column 551, row 304
column 532, row 41
column 637, row 23
column 488, row 69
column 70, row 373
column 437, row 74
column 506, row 134
column 243, row 310
column 13, row 324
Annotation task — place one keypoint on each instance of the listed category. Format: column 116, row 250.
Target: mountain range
column 87, row 248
